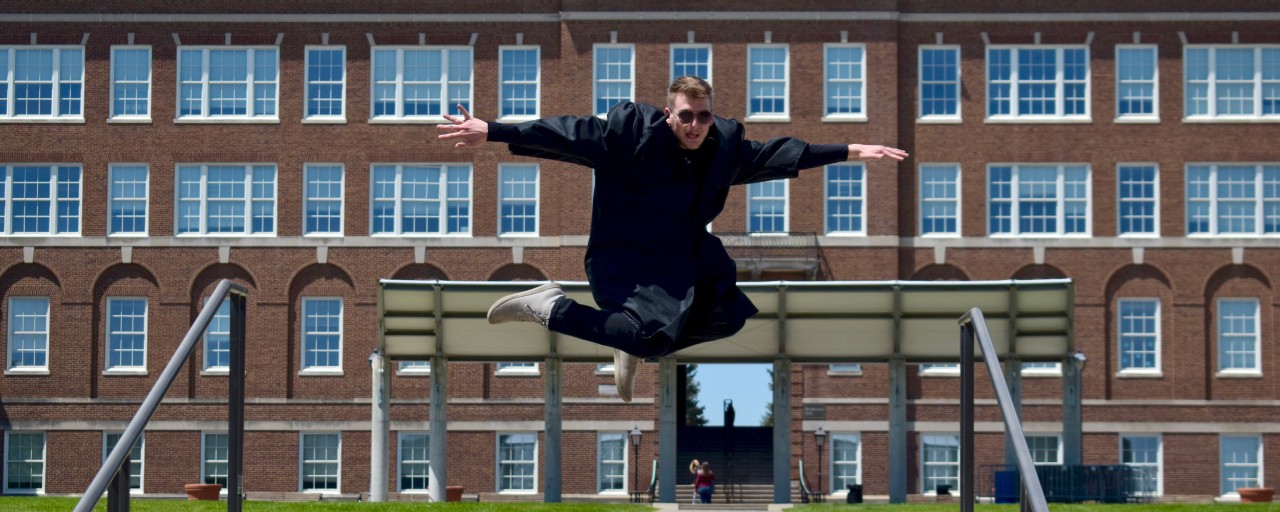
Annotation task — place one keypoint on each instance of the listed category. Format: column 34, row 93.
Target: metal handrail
column 119, row 455
column 972, row 325
column 806, row 495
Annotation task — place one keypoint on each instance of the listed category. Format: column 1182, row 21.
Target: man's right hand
column 468, row 130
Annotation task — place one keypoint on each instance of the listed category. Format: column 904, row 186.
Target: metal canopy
column 805, row 321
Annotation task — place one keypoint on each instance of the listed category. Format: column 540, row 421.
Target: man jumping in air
column 663, row 283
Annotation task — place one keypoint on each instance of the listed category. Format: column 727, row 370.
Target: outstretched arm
column 785, row 157
column 467, row 130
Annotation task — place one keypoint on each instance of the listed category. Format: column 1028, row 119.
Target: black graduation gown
column 649, row 251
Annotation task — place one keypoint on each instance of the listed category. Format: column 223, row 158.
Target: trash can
column 855, row 494
column 1008, row 486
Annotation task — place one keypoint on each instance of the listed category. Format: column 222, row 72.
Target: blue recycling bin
column 1007, row 486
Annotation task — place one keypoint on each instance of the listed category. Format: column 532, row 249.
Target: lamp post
column 635, row 467
column 820, row 439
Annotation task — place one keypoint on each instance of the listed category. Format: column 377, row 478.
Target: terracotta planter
column 208, row 492
column 1256, row 494
column 453, row 493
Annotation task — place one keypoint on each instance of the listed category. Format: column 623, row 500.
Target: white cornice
column 1048, row 17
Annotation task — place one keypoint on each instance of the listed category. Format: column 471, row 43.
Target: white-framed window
column 940, row 462
column 414, row 468
column 321, row 334
column 421, row 199
column 320, row 462
column 1138, row 325
column 28, row 334
column 1042, row 82
column 1042, row 369
column 940, row 200
column 846, row 461
column 767, row 207
column 516, row 369
column 517, row 462
column 323, row 203
column 691, row 60
column 226, row 199
column 24, row 456
column 421, row 82
column 611, row 462
column 1145, row 454
column 217, row 340
column 939, row 82
column 604, row 368
column 518, row 199
column 1233, row 199
column 221, row 82
column 214, row 457
column 1037, row 200
column 519, row 82
column 1231, row 82
column 415, row 367
column 109, row 441
column 768, row 82
column 940, row 369
column 41, row 82
column 613, row 75
column 1137, row 82
column 40, row 199
column 1241, row 462
column 127, row 199
column 846, row 199
column 131, row 83
column 1046, row 450
column 1138, row 195
column 1239, row 336
column 126, row 335
column 326, row 83
column 844, row 81
column 844, row 369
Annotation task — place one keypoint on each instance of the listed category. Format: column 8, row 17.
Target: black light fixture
column 635, row 466
column 820, row 439
column 1079, row 360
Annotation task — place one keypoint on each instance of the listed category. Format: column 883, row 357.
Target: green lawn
column 45, row 504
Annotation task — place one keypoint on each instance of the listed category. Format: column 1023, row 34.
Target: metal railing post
column 235, row 406
column 120, row 454
column 973, row 327
column 966, row 419
column 118, row 490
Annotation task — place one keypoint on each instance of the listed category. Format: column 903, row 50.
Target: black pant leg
column 611, row 328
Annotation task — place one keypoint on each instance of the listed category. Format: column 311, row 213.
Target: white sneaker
column 528, row 306
column 624, row 373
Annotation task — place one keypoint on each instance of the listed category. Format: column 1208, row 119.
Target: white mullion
column 399, row 111
column 1015, row 196
column 1014, row 81
column 204, row 84
column 53, row 192
column 9, row 82
column 248, row 199
column 55, row 94
column 249, row 94
column 1213, row 91
column 1213, row 199
column 399, row 174
column 1259, row 206
column 445, row 90
column 1059, row 86
column 1257, row 89
column 1060, row 183
column 204, row 199
column 6, row 181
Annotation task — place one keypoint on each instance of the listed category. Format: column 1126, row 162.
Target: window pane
column 126, row 333
column 217, row 339
column 24, row 462
column 135, row 458
column 1240, row 462
column 766, row 81
column 516, row 459
column 128, row 199
column 1238, row 334
column 214, row 459
column 415, row 461
column 28, row 332
column 320, row 462
column 1139, row 334
column 767, row 207
column 612, row 459
column 322, row 334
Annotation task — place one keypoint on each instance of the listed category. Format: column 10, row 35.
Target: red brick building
column 148, row 150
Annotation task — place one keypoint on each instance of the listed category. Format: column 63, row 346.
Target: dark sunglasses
column 686, row 116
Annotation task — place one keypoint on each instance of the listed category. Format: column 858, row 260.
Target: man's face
column 690, row 120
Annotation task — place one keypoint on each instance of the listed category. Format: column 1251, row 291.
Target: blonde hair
column 691, row 86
